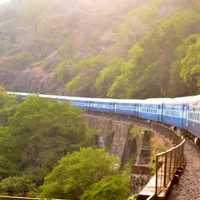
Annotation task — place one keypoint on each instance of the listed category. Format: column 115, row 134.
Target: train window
column 172, row 112
column 194, row 115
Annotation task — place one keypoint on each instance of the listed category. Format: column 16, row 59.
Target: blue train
column 183, row 112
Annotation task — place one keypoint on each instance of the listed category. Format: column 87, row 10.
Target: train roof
column 179, row 100
column 189, row 99
column 59, row 97
column 71, row 98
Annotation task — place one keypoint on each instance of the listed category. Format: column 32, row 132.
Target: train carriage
column 150, row 111
column 193, row 122
column 175, row 114
column 84, row 104
column 98, row 105
column 127, row 107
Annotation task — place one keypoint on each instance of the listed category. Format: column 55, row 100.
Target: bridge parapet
column 169, row 166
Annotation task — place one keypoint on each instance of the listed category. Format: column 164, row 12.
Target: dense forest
column 118, row 49
column 48, row 150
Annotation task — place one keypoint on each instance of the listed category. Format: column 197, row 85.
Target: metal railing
column 167, row 165
column 17, row 198
column 152, row 197
column 22, row 198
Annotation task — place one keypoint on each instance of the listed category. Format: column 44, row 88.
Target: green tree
column 185, row 68
column 45, row 131
column 8, row 154
column 113, row 187
column 66, row 70
column 17, row 185
column 152, row 58
column 8, row 165
column 107, row 76
column 83, row 83
column 38, row 134
column 190, row 64
column 76, row 172
column 8, row 105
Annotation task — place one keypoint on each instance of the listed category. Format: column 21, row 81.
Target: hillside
column 118, row 48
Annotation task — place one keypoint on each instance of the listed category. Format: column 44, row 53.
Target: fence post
column 156, row 189
column 165, row 170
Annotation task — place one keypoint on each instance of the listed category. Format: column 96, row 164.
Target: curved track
column 189, row 183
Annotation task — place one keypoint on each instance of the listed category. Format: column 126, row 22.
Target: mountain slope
column 121, row 48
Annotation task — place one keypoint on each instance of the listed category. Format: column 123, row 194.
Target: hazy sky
column 3, row 1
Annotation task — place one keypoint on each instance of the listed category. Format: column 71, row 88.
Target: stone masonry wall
column 111, row 133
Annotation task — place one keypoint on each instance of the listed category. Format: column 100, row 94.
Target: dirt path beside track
column 189, row 184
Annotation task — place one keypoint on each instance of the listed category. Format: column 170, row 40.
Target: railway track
column 188, row 187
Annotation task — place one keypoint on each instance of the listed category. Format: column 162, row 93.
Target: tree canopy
column 38, row 134
column 131, row 52
column 112, row 187
column 76, row 172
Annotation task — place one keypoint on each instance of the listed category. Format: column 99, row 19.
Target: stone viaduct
column 129, row 138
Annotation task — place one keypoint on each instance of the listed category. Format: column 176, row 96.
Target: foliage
column 76, row 172
column 158, row 145
column 136, row 132
column 107, row 76
column 45, row 131
column 83, row 83
column 37, row 133
column 16, row 185
column 149, row 66
column 135, row 50
column 7, row 142
column 151, row 74
column 190, row 64
column 7, row 106
column 8, row 154
column 132, row 198
column 65, row 70
column 112, row 187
